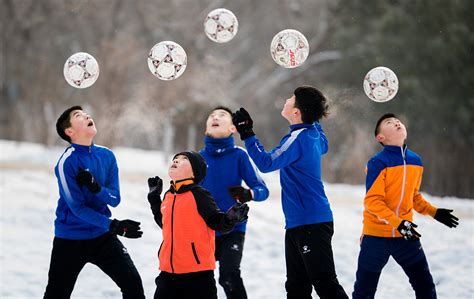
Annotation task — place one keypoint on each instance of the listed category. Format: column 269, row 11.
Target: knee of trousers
column 420, row 276
column 229, row 278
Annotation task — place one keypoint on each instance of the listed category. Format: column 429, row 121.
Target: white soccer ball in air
column 289, row 48
column 167, row 60
column 81, row 70
column 381, row 84
column 221, row 25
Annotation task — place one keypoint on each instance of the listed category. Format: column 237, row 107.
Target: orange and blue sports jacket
column 392, row 185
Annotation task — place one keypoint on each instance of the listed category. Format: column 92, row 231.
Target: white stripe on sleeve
column 287, row 143
column 62, row 177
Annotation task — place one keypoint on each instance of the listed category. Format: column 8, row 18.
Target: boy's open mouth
column 215, row 125
column 90, row 124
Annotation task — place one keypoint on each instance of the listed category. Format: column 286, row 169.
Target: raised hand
column 155, row 186
column 243, row 123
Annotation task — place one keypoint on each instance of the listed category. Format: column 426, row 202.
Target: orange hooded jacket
column 189, row 217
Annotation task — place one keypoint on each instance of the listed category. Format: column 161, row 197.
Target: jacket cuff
column 394, row 221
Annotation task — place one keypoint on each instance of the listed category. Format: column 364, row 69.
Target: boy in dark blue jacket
column 308, row 215
column 228, row 165
column 84, row 233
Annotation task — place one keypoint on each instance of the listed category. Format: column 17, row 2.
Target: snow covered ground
column 28, row 193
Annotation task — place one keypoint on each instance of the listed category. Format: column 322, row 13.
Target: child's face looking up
column 180, row 168
column 219, row 124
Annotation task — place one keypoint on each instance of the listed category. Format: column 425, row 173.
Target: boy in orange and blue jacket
column 188, row 217
column 393, row 182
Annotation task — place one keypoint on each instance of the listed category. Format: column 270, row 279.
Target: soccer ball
column 221, row 25
column 167, row 60
column 289, row 48
column 81, row 70
column 381, row 84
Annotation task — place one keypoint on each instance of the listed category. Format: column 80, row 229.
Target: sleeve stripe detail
column 62, row 177
column 255, row 169
column 287, row 143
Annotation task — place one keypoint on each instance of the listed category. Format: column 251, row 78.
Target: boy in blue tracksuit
column 308, row 215
column 84, row 233
column 228, row 165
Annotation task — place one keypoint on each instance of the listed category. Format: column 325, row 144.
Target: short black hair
column 64, row 122
column 381, row 119
column 222, row 108
column 311, row 102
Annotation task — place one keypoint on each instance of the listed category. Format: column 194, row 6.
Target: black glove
column 155, row 186
column 407, row 229
column 126, row 228
column 238, row 213
column 85, row 178
column 243, row 122
column 445, row 217
column 240, row 193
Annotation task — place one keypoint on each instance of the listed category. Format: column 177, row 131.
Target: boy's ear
column 69, row 131
column 380, row 138
column 233, row 129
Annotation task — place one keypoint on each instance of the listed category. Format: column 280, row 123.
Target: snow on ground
column 29, row 194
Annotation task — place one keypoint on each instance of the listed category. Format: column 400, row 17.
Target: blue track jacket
column 227, row 166
column 299, row 159
column 80, row 214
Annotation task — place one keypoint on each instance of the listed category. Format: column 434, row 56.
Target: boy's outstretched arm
column 155, row 186
column 422, row 206
column 279, row 157
column 214, row 218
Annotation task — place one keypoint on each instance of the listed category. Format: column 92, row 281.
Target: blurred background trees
column 428, row 44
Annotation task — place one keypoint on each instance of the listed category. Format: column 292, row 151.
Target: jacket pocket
column 195, row 253
column 159, row 250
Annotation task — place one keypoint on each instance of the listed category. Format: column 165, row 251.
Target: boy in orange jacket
column 188, row 217
column 393, row 182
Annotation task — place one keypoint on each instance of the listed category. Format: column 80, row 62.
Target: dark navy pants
column 374, row 255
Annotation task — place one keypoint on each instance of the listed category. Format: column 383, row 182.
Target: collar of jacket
column 181, row 185
column 395, row 149
column 218, row 146
column 83, row 148
column 299, row 126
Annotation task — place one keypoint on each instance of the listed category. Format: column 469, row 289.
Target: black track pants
column 68, row 257
column 310, row 262
column 229, row 249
